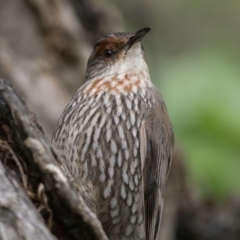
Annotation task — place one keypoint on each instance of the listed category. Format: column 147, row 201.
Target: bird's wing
column 157, row 142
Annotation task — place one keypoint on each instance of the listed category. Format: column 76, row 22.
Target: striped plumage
column 117, row 140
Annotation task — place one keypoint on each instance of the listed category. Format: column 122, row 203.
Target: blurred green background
column 193, row 54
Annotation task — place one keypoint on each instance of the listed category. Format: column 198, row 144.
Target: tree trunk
column 18, row 216
column 31, row 160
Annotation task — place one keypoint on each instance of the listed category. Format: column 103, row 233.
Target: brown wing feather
column 156, row 151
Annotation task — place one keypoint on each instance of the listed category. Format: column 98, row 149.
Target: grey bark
column 18, row 216
column 42, row 161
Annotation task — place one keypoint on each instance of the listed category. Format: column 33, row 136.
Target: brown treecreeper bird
column 117, row 139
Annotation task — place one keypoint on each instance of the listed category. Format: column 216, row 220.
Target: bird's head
column 116, row 54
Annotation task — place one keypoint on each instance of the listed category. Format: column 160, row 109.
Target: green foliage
column 202, row 92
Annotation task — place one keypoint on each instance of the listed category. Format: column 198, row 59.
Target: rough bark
column 18, row 216
column 41, row 173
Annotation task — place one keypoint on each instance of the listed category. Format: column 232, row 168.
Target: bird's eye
column 108, row 53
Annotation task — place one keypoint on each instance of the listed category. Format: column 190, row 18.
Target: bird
column 117, row 139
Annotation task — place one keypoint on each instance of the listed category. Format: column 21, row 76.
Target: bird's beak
column 137, row 37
